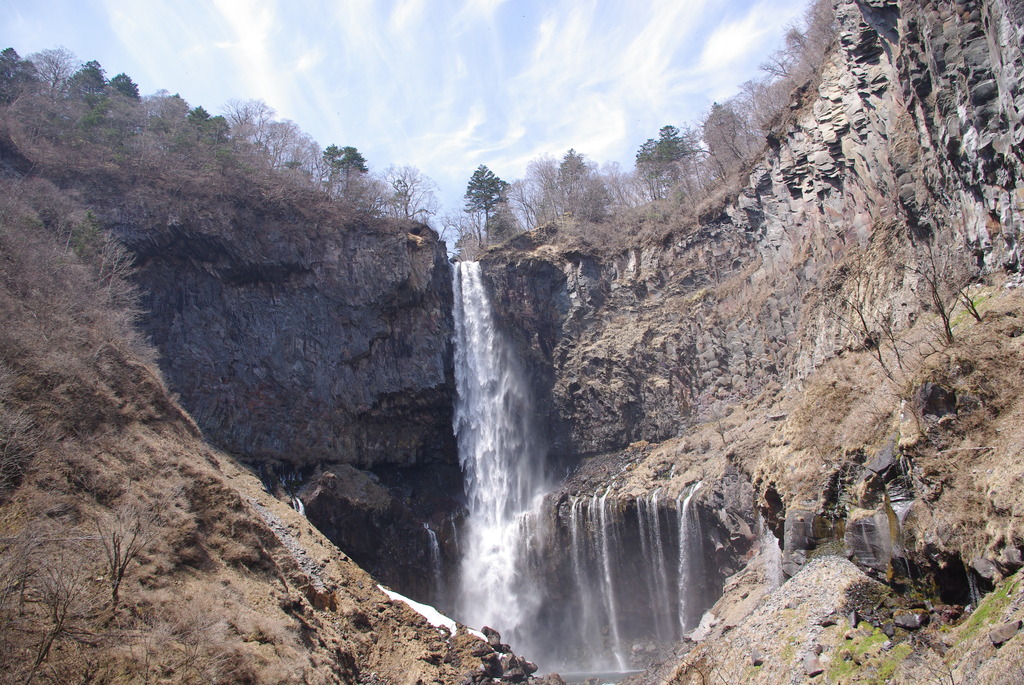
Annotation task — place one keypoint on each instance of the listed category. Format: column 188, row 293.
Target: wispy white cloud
column 406, row 16
column 309, row 59
column 442, row 84
column 740, row 43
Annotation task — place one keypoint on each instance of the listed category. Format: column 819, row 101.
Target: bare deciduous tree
column 412, row 194
column 945, row 277
column 124, row 533
column 60, row 589
column 54, row 67
column 250, row 120
column 17, row 444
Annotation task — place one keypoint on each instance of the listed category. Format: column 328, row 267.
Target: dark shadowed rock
column 912, row 619
column 869, row 538
column 492, row 665
column 804, row 531
column 295, row 339
column 986, row 569
column 934, row 401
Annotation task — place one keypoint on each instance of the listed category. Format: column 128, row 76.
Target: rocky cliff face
column 792, row 334
column 908, row 146
column 302, row 342
column 310, row 343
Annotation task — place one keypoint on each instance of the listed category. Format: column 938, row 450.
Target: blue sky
column 444, row 85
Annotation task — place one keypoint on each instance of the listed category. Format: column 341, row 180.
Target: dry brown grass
column 130, row 552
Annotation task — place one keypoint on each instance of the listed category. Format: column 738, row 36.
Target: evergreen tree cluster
column 69, row 113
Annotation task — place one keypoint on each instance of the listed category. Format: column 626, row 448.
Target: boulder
column 492, row 635
column 812, row 666
column 869, row 537
column 1004, row 633
column 803, row 531
column 911, row 619
column 491, row 666
column 932, row 401
column 986, row 569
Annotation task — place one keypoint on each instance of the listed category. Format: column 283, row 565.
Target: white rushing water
column 653, row 549
column 606, row 530
column 686, row 558
column 631, row 578
column 436, row 566
column 503, row 464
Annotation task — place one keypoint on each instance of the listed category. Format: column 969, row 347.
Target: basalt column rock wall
column 905, row 147
column 315, row 346
column 301, row 344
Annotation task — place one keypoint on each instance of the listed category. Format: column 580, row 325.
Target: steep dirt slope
column 130, row 550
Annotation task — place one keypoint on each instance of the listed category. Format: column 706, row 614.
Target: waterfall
column 687, row 571
column 503, row 464
column 298, row 505
column 436, row 569
column 657, row 581
column 606, row 530
column 591, row 593
column 588, row 625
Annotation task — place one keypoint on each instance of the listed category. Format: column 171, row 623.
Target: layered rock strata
column 894, row 178
column 332, row 345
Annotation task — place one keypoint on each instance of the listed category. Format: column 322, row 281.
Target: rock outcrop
column 301, row 339
column 908, row 147
column 792, row 334
column 306, row 339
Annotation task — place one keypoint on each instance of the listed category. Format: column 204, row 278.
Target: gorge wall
column 314, row 345
column 299, row 343
column 893, row 179
column 908, row 144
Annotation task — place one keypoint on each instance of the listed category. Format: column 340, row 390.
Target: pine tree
column 16, row 75
column 123, row 84
column 484, row 191
column 658, row 160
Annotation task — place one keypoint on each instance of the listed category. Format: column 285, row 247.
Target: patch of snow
column 433, row 616
column 707, row 622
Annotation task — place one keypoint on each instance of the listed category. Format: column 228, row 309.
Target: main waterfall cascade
column 590, row 582
column 503, row 463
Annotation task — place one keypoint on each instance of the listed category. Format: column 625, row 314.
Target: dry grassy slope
column 226, row 584
column 755, row 634
column 233, row 587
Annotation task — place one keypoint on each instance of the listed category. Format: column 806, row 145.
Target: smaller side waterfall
column 607, row 533
column 436, row 565
column 654, row 559
column 690, row 564
column 631, row 586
